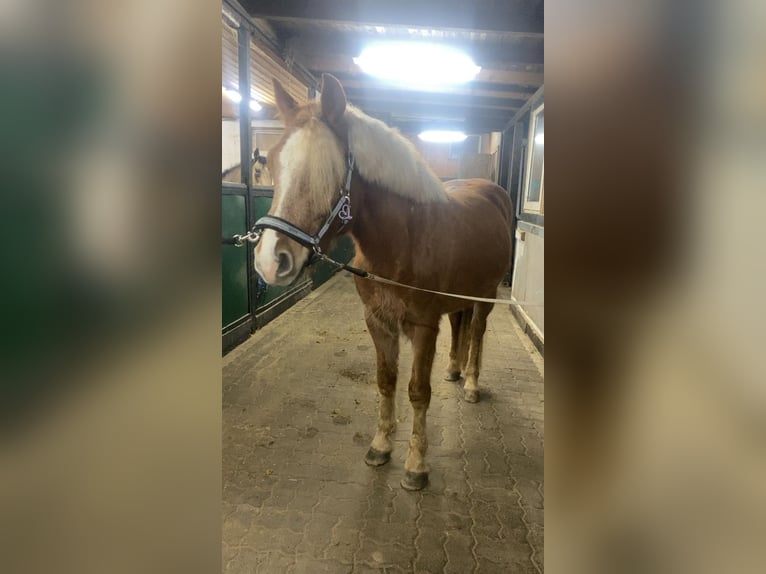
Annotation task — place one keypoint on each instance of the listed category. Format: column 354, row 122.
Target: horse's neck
column 382, row 227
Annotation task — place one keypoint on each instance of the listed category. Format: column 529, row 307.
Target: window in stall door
column 534, row 189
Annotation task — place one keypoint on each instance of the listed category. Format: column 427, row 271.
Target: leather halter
column 342, row 211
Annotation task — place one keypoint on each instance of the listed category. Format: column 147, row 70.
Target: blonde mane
column 386, row 158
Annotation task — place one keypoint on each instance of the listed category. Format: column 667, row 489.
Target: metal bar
column 239, row 10
column 522, row 174
column 246, row 151
column 231, row 188
column 236, row 333
column 532, row 219
column 527, row 106
column 245, row 138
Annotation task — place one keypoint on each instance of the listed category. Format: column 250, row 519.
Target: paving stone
column 487, row 567
column 405, row 508
column 342, row 552
column 485, row 521
column 342, row 507
column 237, row 523
column 311, row 565
column 241, row 561
column 317, row 535
column 266, row 539
column 273, row 561
column 391, row 533
column 376, row 555
column 530, row 493
column 500, row 551
column 459, row 557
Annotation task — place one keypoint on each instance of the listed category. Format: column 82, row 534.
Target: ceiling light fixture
column 417, row 63
column 442, row 136
column 233, row 95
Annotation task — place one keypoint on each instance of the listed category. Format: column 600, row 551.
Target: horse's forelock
column 311, row 167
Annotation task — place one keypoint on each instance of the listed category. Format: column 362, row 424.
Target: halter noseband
column 342, row 211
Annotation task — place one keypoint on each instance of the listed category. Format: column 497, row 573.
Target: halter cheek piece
column 342, row 211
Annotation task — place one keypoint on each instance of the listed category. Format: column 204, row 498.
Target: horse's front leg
column 385, row 336
column 424, row 348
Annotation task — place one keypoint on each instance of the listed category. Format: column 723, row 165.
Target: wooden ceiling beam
column 490, row 15
column 445, row 112
column 428, row 99
column 473, row 89
column 309, row 41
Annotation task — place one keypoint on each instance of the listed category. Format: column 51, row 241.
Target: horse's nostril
column 285, row 263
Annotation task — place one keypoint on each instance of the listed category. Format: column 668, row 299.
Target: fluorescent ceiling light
column 442, row 136
column 417, row 63
column 233, row 95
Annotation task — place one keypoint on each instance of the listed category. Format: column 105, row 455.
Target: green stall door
column 234, row 261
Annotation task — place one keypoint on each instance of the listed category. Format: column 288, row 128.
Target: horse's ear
column 285, row 102
column 333, row 99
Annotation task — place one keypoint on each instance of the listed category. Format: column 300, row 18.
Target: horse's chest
column 382, row 302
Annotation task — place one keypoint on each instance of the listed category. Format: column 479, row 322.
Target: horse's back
column 470, row 237
column 468, row 191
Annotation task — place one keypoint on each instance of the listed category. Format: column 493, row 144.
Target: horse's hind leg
column 460, row 321
column 453, row 371
column 385, row 336
column 478, row 327
column 424, row 348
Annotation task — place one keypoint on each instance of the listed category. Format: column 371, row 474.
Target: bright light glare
column 236, row 97
column 233, row 95
column 539, row 139
column 417, row 63
column 440, row 136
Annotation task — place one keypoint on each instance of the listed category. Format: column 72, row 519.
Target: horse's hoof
column 414, row 480
column 471, row 396
column 376, row 457
column 452, row 376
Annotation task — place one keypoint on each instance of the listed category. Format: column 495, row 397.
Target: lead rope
column 239, row 241
column 371, row 276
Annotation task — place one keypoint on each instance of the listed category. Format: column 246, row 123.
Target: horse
column 260, row 175
column 406, row 226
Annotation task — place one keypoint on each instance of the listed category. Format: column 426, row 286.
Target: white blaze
column 311, row 167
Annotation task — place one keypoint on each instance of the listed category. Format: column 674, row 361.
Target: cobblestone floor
column 299, row 404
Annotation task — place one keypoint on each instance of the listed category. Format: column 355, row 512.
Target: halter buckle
column 345, row 210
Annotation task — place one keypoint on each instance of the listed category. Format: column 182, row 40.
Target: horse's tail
column 464, row 337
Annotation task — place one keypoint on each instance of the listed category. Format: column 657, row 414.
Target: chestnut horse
column 407, row 226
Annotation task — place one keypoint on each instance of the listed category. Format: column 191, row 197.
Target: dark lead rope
column 372, row 277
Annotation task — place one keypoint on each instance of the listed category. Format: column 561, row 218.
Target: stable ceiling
column 505, row 38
